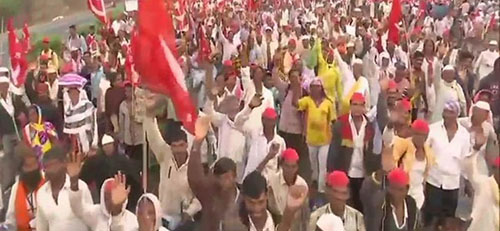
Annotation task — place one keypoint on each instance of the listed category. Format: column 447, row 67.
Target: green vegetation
column 9, row 8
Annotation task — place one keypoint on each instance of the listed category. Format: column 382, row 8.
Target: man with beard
column 22, row 203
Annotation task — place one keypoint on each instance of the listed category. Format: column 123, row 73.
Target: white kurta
column 485, row 62
column 485, row 213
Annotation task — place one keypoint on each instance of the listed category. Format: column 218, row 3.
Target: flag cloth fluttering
column 26, row 39
column 204, row 45
column 156, row 60
column 394, row 18
column 98, row 9
column 17, row 52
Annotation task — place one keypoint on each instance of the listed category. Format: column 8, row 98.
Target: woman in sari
column 38, row 134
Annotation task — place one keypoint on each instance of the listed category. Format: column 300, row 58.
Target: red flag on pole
column 17, row 54
column 155, row 58
column 394, row 18
column 26, row 39
column 204, row 53
column 98, row 9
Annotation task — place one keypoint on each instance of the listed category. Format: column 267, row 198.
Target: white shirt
column 395, row 217
column 280, row 190
column 449, row 156
column 255, row 118
column 258, row 145
column 180, row 198
column 417, row 182
column 357, row 169
column 485, row 211
column 228, row 48
column 231, row 142
column 485, row 62
column 56, row 217
column 268, row 226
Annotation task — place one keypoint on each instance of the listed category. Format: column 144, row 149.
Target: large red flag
column 394, row 18
column 17, row 56
column 155, row 58
column 98, row 9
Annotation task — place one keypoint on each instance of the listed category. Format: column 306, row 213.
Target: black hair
column 466, row 55
column 224, row 165
column 418, row 54
column 23, row 151
column 175, row 133
column 72, row 27
column 254, row 185
column 55, row 153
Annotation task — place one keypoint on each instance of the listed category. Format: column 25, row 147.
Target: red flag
column 26, row 39
column 252, row 5
column 422, row 8
column 394, row 18
column 204, row 53
column 493, row 22
column 17, row 54
column 155, row 58
column 98, row 9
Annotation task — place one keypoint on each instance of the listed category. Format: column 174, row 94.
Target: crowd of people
column 312, row 116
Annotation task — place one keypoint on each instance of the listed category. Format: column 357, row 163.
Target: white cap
column 350, row 44
column 304, row 37
column 266, row 28
column 4, row 70
column 357, row 61
column 357, row 10
column 493, row 43
column 107, row 139
column 449, row 68
column 4, row 79
column 483, row 105
column 330, row 222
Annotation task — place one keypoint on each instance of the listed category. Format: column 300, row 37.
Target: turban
column 452, row 105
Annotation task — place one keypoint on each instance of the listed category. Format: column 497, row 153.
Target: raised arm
column 273, row 151
column 198, row 181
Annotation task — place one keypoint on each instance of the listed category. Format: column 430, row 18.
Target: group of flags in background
column 153, row 54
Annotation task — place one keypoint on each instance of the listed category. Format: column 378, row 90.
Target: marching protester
column 293, row 115
column 21, row 213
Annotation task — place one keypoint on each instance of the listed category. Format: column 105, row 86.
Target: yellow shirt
column 330, row 75
column 319, row 118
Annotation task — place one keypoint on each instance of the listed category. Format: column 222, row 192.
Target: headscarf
column 156, row 204
column 37, row 135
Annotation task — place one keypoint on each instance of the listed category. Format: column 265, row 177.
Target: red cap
column 228, row 63
column 290, row 155
column 337, row 179
column 420, row 125
column 44, row 57
column 270, row 113
column 46, row 40
column 405, row 104
column 392, row 84
column 357, row 97
column 110, row 185
column 398, row 176
column 496, row 162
